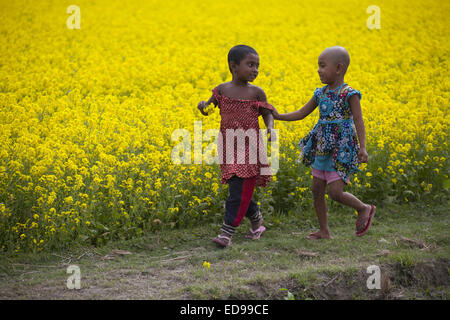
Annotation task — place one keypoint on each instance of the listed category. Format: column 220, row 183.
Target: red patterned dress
column 242, row 114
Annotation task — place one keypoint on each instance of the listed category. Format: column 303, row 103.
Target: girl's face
column 247, row 69
column 327, row 69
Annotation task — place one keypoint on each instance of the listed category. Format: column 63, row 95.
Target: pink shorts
column 328, row 176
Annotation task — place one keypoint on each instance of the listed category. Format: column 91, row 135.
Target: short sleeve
column 265, row 105
column 350, row 93
column 216, row 94
column 317, row 94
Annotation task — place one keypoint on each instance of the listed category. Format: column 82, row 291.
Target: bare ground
column 414, row 264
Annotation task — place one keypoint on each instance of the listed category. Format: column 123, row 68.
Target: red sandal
column 369, row 221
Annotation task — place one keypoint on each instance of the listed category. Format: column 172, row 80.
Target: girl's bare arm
column 297, row 115
column 266, row 114
column 204, row 104
column 267, row 117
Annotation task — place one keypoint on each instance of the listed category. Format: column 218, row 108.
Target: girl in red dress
column 243, row 165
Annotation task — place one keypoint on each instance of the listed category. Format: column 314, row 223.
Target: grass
column 409, row 243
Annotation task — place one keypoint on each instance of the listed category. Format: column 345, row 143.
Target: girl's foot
column 364, row 219
column 222, row 240
column 255, row 234
column 256, row 224
column 319, row 235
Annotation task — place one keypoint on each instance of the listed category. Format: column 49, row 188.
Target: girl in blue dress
column 332, row 147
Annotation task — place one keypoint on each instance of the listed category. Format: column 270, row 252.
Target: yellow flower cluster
column 86, row 115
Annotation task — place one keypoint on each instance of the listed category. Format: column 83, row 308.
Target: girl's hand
column 362, row 155
column 202, row 106
column 296, row 115
column 272, row 135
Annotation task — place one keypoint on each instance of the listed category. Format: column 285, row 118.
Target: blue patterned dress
column 335, row 134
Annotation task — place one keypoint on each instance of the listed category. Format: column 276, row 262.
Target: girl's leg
column 236, row 206
column 320, row 205
column 254, row 214
column 336, row 192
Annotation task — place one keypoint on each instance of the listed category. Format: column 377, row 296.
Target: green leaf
column 447, row 184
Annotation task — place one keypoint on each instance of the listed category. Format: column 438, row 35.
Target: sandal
column 255, row 235
column 369, row 221
column 222, row 241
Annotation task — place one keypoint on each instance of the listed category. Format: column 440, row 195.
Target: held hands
column 362, row 155
column 275, row 114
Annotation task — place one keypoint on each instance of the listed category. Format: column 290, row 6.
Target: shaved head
column 337, row 55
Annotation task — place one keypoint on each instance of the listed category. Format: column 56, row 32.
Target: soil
column 425, row 280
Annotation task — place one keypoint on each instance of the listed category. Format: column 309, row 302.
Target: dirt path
column 413, row 263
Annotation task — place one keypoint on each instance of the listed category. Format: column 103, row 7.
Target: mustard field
column 87, row 114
